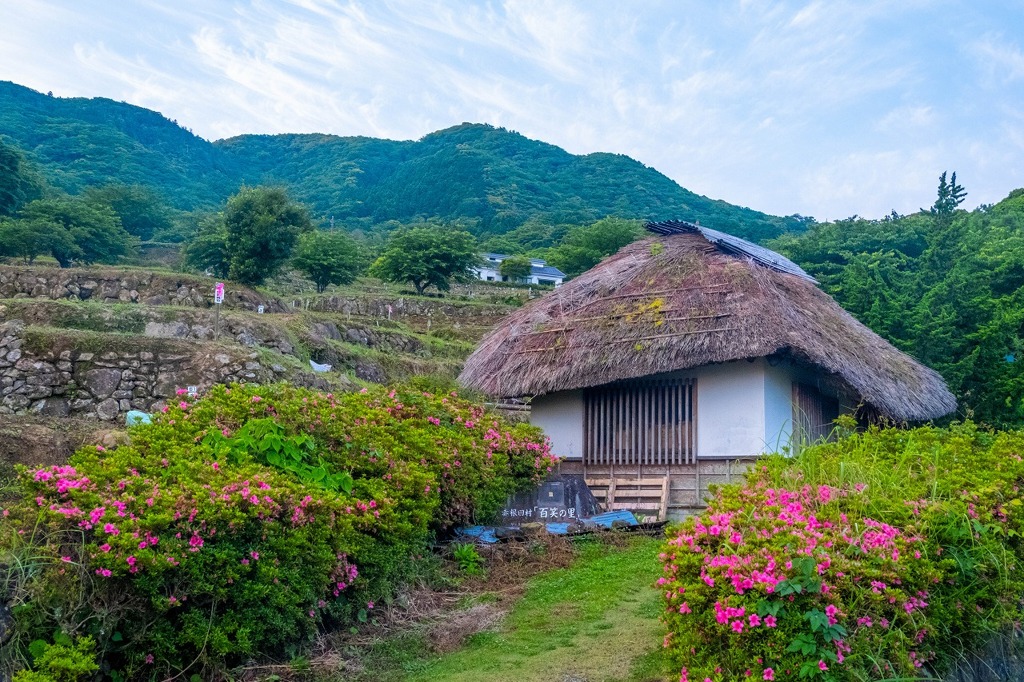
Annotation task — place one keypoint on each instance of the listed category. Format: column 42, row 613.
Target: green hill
column 491, row 177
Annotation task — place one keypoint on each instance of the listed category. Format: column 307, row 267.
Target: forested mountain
column 79, row 142
column 491, row 179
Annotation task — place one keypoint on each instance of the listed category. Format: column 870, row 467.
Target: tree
column 427, row 255
column 27, row 239
column 95, row 231
column 950, row 196
column 262, row 225
column 584, row 247
column 328, row 258
column 141, row 210
column 515, row 268
column 208, row 250
column 19, row 183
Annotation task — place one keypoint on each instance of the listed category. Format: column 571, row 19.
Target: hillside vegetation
column 945, row 285
column 492, row 179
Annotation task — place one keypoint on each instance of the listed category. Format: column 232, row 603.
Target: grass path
column 594, row 622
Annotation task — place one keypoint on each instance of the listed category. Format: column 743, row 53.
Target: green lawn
column 594, row 622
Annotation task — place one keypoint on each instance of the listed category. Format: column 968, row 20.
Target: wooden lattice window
column 643, row 422
column 813, row 415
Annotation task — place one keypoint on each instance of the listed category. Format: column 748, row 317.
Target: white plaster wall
column 560, row 415
column 744, row 409
column 485, row 271
column 730, row 409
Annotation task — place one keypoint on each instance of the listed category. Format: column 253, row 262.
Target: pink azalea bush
column 884, row 555
column 199, row 545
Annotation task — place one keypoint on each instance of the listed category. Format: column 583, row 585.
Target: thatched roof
column 678, row 301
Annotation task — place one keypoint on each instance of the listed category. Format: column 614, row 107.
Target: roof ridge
column 736, row 246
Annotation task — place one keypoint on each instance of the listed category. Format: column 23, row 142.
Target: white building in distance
column 540, row 272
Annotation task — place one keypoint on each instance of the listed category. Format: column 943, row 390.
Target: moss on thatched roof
column 676, row 302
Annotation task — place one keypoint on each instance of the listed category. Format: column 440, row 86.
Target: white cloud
column 1002, row 61
column 824, row 108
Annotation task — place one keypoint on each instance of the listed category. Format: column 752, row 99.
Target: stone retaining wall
column 123, row 286
column 65, row 379
column 403, row 308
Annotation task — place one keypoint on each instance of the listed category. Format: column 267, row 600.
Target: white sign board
column 218, row 293
column 193, row 390
column 259, row 310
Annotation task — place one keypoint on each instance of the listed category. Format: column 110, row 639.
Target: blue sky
column 824, row 108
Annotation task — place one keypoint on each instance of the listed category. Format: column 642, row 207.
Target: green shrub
column 61, row 662
column 232, row 526
column 869, row 558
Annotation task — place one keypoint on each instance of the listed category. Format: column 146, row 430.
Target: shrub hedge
column 885, row 555
column 234, row 526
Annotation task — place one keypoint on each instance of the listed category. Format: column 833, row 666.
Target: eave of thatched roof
column 676, row 302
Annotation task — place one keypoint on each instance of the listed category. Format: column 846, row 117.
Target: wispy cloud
column 823, row 108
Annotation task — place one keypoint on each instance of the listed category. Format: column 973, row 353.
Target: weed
column 468, row 558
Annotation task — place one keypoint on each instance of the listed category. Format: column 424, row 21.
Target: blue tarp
column 481, row 533
column 606, row 519
column 136, row 417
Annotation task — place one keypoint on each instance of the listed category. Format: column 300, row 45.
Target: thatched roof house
column 695, row 321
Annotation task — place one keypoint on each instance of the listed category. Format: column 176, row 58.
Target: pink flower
column 822, row 666
column 181, row 391
column 737, row 626
column 195, row 541
column 131, row 561
column 754, row 620
column 256, row 399
column 769, row 674
column 110, row 529
column 149, row 659
column 769, row 621
column 685, row 608
column 183, row 405
column 105, row 572
column 66, row 559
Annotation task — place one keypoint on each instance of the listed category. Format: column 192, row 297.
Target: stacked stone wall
column 125, row 286
column 70, row 378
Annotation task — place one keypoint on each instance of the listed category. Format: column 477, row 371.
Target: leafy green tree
column 515, row 268
column 328, row 258
column 427, row 255
column 141, row 210
column 29, row 238
column 584, row 247
column 263, row 225
column 95, row 230
column 208, row 249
